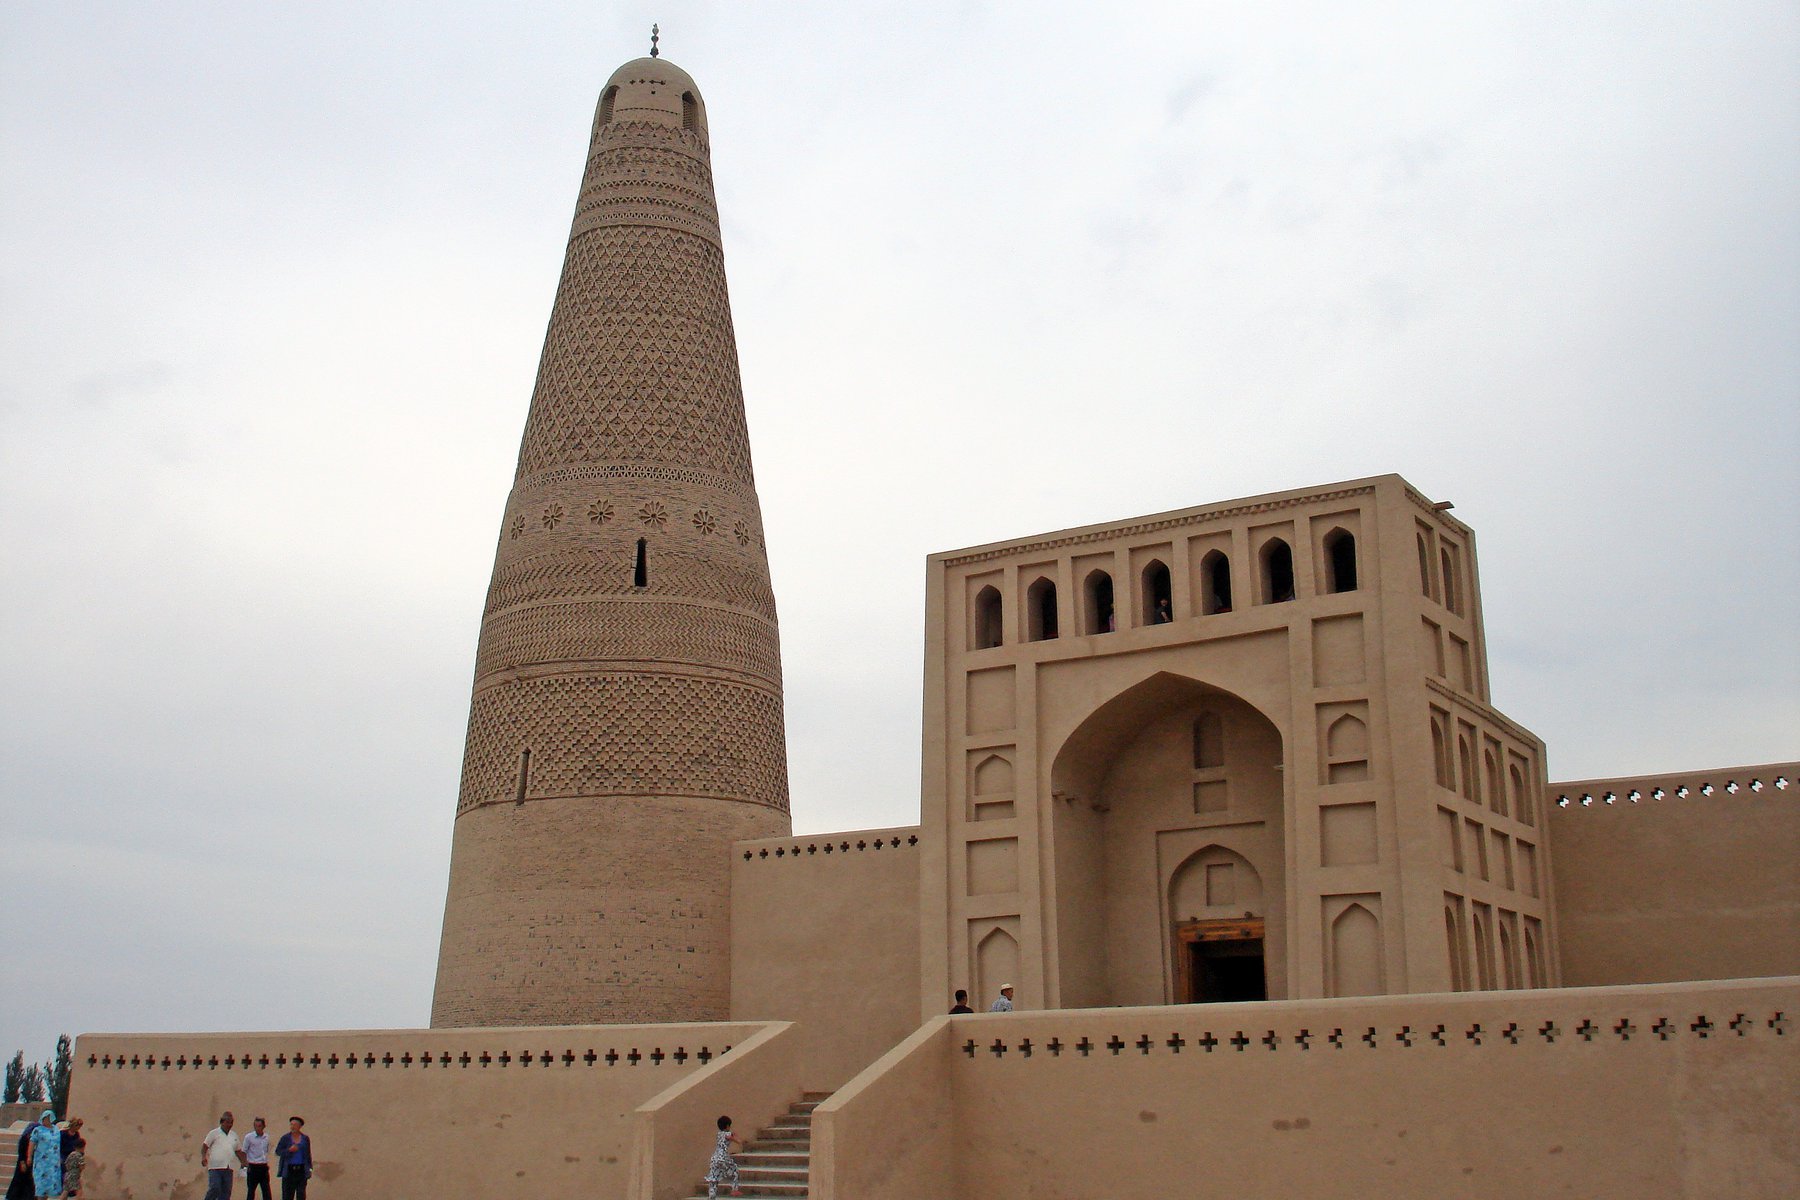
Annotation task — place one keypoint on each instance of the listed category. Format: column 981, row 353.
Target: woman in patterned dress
column 723, row 1168
column 43, row 1155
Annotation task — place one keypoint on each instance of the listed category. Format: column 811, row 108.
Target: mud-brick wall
column 398, row 1113
column 1661, row 878
column 825, row 932
column 1653, row 1092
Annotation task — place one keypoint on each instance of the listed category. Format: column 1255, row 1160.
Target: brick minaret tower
column 626, row 724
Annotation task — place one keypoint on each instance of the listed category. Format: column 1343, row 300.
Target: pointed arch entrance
column 1169, row 849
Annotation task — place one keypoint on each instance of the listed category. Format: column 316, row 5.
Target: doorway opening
column 1220, row 962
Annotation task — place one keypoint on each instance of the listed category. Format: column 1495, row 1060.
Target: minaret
column 626, row 724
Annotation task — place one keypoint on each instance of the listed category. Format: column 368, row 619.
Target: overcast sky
column 275, row 277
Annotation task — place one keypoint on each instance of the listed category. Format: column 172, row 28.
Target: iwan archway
column 1170, row 850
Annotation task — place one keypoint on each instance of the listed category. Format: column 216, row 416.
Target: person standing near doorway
column 962, row 1003
column 1003, row 1003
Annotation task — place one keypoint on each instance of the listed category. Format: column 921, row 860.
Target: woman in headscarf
column 43, row 1155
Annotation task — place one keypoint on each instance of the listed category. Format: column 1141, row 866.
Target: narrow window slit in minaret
column 690, row 112
column 524, row 775
column 640, row 575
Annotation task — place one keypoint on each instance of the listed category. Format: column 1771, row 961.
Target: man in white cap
column 1004, row 1002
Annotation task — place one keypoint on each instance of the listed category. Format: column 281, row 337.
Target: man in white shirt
column 1002, row 1004
column 220, row 1155
column 256, row 1162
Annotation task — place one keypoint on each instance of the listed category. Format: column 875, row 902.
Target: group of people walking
column 222, row 1152
column 50, row 1160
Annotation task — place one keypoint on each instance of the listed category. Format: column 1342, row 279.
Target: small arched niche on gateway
column 1129, row 808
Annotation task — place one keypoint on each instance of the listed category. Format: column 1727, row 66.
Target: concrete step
column 802, row 1122
column 775, row 1158
column 749, row 1173
column 759, row 1189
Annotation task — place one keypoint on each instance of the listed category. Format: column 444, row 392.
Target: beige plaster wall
column 1695, row 886
column 889, row 1131
column 1659, row 1092
column 825, row 932
column 487, row 1117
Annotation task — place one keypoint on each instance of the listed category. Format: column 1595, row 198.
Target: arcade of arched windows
column 1491, row 947
column 1488, row 848
column 1098, row 606
column 1441, row 569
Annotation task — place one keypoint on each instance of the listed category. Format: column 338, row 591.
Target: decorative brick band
column 368, row 1060
column 1156, row 525
column 827, row 847
column 1406, row 1037
column 1680, row 791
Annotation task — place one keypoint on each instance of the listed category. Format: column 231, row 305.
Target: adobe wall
column 1670, row 877
column 825, row 932
column 1666, row 1092
column 464, row 1112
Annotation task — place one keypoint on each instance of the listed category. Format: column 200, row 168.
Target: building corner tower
column 626, row 720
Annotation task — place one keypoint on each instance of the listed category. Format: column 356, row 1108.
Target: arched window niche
column 986, row 633
column 1440, row 755
column 690, row 112
column 1340, row 561
column 1452, row 582
column 1215, row 583
column 1277, row 571
column 1521, row 800
column 1097, row 606
column 606, row 104
column 1156, row 594
column 1040, row 610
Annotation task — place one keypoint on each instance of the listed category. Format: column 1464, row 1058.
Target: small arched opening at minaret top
column 606, row 104
column 690, row 112
column 640, row 572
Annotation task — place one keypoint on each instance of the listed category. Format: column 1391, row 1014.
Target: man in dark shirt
column 962, row 1003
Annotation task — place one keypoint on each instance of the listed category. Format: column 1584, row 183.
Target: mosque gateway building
column 1221, row 794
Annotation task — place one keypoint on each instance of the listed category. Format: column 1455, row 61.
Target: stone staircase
column 778, row 1160
column 9, row 1149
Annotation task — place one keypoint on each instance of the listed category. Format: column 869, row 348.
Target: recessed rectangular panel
column 992, row 705
column 993, row 866
column 1338, row 650
column 1347, row 834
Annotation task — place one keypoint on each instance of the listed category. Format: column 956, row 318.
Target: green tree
column 31, row 1087
column 15, row 1079
column 56, row 1075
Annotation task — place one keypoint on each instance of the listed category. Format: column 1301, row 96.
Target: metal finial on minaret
column 654, row 33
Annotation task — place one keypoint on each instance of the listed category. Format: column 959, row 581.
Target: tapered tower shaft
column 626, row 722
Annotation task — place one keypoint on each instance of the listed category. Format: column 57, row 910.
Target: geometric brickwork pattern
column 642, row 367
column 664, row 632
column 629, row 651
column 617, row 734
column 578, row 568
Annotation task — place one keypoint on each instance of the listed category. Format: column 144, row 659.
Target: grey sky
column 273, row 280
